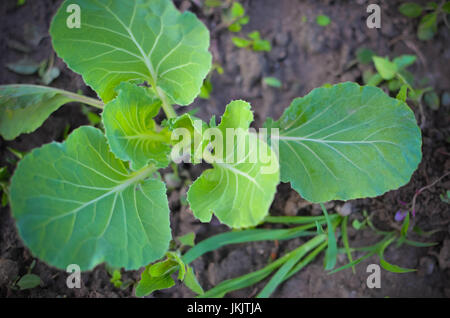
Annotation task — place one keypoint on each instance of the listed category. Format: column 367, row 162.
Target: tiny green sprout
column 116, row 278
column 385, row 68
column 432, row 100
column 410, row 9
column 272, row 81
column 236, row 17
column 402, row 93
column 187, row 239
column 93, row 118
column 4, row 184
column 17, row 153
column 445, row 197
column 364, row 55
column 28, row 281
column 323, row 20
column 254, row 41
column 357, row 225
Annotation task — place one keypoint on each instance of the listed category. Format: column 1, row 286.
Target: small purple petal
column 400, row 215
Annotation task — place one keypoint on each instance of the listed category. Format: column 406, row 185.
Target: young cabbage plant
column 98, row 196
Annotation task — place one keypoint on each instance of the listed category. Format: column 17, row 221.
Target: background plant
column 431, row 14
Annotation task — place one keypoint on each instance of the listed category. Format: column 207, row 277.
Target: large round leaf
column 347, row 142
column 75, row 203
column 134, row 40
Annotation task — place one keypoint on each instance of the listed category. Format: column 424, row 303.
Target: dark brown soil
column 304, row 56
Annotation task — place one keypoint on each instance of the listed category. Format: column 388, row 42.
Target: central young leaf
column 240, row 189
column 189, row 129
column 87, row 207
column 347, row 142
column 146, row 40
column 131, row 130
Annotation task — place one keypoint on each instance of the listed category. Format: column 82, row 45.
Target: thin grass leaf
column 372, row 250
column 355, row 262
column 296, row 219
column 332, row 250
column 252, row 235
column 369, row 222
column 420, row 232
column 345, row 241
column 252, row 278
column 394, row 268
column 388, row 266
column 308, row 259
column 243, row 281
column 405, row 226
column 420, row 244
column 279, row 276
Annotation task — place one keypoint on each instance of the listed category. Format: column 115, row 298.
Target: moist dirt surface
column 304, row 56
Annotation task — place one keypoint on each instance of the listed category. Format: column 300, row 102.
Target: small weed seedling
column 254, row 42
column 236, row 17
column 207, row 87
column 398, row 79
column 272, row 82
column 98, row 196
column 323, row 20
column 428, row 24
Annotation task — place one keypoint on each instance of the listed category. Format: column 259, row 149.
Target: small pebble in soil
column 8, row 271
column 345, row 210
column 282, row 39
column 426, row 266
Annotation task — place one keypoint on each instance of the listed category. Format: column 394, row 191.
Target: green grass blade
column 279, row 276
column 355, row 262
column 345, row 241
column 420, row 244
column 394, row 268
column 372, row 250
column 308, row 259
column 254, row 277
column 243, row 281
column 251, row 235
column 405, row 226
column 296, row 219
column 388, row 266
column 332, row 250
